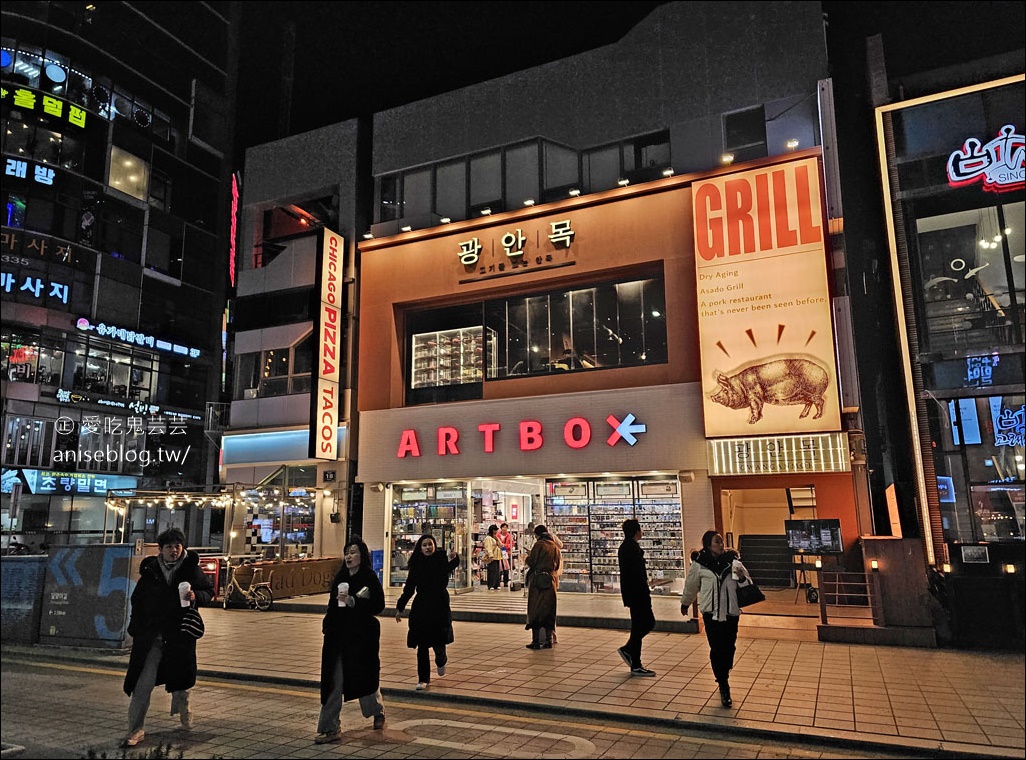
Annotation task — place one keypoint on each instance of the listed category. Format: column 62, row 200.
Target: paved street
column 869, row 698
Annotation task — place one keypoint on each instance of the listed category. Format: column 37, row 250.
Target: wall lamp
column 792, row 144
column 575, row 192
column 1010, row 569
column 819, row 564
column 946, row 567
column 445, row 220
column 727, row 159
column 529, row 202
column 406, row 228
column 623, row 182
column 368, row 235
column 486, row 211
column 874, row 564
column 668, row 171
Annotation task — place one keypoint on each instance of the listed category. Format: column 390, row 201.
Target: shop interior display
column 419, row 509
column 449, row 357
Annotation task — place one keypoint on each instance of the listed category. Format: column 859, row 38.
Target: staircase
column 768, row 559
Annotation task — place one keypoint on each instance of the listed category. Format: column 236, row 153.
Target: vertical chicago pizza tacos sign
column 765, row 328
column 326, row 399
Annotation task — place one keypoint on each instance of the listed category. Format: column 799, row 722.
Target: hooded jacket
column 709, row 580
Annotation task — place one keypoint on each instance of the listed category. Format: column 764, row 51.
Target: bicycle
column 256, row 596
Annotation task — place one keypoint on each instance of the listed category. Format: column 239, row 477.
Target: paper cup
column 183, row 592
column 343, row 588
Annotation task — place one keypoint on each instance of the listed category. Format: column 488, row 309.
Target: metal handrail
column 855, row 589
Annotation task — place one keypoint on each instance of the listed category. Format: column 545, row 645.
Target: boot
column 535, row 642
column 725, row 699
column 544, row 639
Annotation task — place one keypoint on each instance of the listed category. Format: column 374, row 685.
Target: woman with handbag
column 430, row 615
column 492, row 557
column 350, row 660
column 162, row 653
column 713, row 579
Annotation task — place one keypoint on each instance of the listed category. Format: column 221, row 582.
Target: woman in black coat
column 430, row 616
column 350, row 664
column 161, row 653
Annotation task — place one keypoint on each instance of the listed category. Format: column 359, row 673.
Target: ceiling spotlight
column 727, row 159
column 623, row 182
column 668, row 171
column 405, row 228
column 575, row 192
column 792, row 143
column 529, row 202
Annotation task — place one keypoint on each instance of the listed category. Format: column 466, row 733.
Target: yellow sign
column 765, row 328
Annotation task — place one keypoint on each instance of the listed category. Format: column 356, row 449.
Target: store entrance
column 753, row 521
column 516, row 503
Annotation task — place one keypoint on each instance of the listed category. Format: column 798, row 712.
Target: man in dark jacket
column 634, row 589
column 161, row 653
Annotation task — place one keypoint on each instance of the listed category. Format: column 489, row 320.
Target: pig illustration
column 781, row 381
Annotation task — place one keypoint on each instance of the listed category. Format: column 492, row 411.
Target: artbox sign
column 327, row 399
column 765, row 327
column 1000, row 164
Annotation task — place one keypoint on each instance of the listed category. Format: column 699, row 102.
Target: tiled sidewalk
column 971, row 703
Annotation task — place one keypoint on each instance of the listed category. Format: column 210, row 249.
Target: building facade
column 117, row 127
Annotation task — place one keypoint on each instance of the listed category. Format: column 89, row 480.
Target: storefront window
column 438, row 509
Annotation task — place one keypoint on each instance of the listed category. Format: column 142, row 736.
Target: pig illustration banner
column 767, row 342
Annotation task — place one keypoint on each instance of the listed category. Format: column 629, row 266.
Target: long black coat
column 634, row 589
column 353, row 633
column 156, row 608
column 430, row 615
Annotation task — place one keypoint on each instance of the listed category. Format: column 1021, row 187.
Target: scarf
column 168, row 568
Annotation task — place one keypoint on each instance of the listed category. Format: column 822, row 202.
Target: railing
column 840, row 589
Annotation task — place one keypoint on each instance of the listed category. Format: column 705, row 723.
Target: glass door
column 436, row 509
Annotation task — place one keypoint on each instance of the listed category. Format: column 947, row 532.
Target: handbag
column 192, row 624
column 749, row 594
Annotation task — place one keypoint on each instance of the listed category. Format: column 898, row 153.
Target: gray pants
column 328, row 720
column 140, row 702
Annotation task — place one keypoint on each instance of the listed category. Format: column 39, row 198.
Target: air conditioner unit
column 249, row 393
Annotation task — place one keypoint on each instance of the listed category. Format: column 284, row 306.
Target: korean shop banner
column 767, row 344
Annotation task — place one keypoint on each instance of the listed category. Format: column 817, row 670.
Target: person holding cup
column 350, row 660
column 168, row 583
column 430, row 615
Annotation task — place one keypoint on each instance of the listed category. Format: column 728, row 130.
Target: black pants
column 505, row 576
column 424, row 661
column 642, row 623
column 492, row 571
column 722, row 640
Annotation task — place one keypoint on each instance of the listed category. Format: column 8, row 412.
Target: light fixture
column 668, row 171
column 368, row 235
column 623, row 182
column 792, row 143
column 405, row 228
column 574, row 192
column 55, row 73
column 874, row 564
column 445, row 220
column 727, row 159
column 819, row 564
column 529, row 202
column 486, row 211
column 1010, row 569
column 326, row 492
column 946, row 567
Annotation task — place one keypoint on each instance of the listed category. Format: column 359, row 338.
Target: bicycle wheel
column 262, row 598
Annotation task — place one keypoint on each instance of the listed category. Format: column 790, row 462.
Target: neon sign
column 1000, row 164
column 233, row 229
column 135, row 338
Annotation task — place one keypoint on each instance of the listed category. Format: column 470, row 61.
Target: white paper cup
column 183, row 591
column 343, row 588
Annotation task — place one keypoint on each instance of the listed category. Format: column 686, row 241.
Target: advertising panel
column 767, row 345
column 326, row 398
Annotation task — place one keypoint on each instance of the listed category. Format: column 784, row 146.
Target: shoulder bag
column 749, row 594
column 192, row 624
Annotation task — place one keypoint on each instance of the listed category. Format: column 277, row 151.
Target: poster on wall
column 767, row 343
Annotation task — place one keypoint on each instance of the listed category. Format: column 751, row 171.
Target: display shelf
column 449, row 357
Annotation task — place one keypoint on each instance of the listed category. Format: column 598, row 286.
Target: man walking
column 634, row 588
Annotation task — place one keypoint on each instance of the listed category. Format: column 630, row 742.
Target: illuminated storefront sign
column 32, row 246
column 233, row 229
column 135, row 338
column 519, row 252
column 19, row 169
column 327, row 398
column 764, row 319
column 45, row 482
column 530, row 435
column 73, row 397
column 35, row 287
column 779, row 455
column 27, row 99
column 999, row 164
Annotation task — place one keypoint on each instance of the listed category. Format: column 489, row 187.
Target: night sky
column 357, row 58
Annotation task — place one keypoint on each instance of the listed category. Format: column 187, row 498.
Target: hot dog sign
column 765, row 326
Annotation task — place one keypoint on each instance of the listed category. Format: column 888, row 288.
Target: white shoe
column 421, row 686
column 441, row 670
column 133, row 738
column 186, row 717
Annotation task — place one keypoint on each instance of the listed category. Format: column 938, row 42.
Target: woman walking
column 350, row 664
column 713, row 579
column 430, row 616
